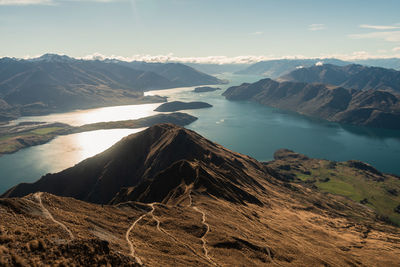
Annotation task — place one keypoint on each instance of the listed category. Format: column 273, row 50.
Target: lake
column 244, row 127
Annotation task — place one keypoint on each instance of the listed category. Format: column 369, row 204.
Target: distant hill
column 56, row 83
column 179, row 74
column 279, row 67
column 350, row 76
column 372, row 108
column 389, row 63
column 217, row 68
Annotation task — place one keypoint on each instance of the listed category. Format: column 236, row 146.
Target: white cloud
column 389, row 36
column 43, row 2
column 25, row 2
column 319, row 63
column 379, row 27
column 256, row 33
column 396, row 49
column 171, row 58
column 316, row 27
column 359, row 55
column 250, row 59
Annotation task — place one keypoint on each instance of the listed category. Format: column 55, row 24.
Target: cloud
column 25, row 2
column 316, row 27
column 319, row 63
column 256, row 33
column 249, row 59
column 44, row 2
column 172, row 58
column 396, row 49
column 389, row 36
column 360, row 55
column 379, row 27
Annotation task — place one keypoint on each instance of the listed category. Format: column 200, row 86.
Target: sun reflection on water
column 81, row 117
column 66, row 151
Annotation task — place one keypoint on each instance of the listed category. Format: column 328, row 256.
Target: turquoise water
column 245, row 127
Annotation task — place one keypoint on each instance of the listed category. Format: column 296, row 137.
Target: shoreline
column 34, row 134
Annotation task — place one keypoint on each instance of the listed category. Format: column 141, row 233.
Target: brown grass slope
column 199, row 205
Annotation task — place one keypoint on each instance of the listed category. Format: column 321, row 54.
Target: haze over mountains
column 276, row 68
column 350, row 76
column 57, row 83
column 199, row 204
column 279, row 67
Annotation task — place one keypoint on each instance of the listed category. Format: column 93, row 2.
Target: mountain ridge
column 350, row 76
column 162, row 145
column 206, row 206
column 54, row 83
column 373, row 108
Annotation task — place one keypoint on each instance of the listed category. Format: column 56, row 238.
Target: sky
column 214, row 31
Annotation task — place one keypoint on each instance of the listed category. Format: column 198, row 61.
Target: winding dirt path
column 203, row 221
column 203, row 238
column 151, row 213
column 170, row 235
column 47, row 214
column 131, row 247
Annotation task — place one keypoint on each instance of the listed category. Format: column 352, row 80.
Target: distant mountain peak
column 49, row 57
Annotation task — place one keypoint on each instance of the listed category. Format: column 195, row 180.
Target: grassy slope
column 361, row 186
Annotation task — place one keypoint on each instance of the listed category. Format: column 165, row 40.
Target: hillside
column 353, row 179
column 351, row 76
column 373, row 108
column 179, row 199
column 179, row 74
column 54, row 83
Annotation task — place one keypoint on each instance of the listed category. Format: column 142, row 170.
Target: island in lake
column 204, row 89
column 14, row 138
column 178, row 105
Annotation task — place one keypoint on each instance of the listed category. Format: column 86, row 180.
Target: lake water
column 245, row 127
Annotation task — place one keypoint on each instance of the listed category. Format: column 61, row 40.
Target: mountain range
column 181, row 75
column 389, row 63
column 170, row 197
column 276, row 68
column 373, row 108
column 350, row 76
column 56, row 83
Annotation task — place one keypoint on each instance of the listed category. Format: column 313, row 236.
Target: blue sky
column 201, row 30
